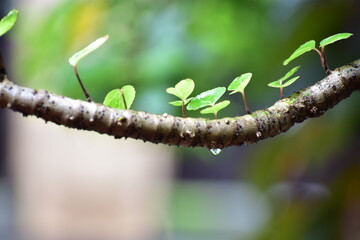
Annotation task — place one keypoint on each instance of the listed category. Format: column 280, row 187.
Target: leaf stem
column 183, row 109
column 123, row 97
column 281, row 92
column 323, row 60
column 215, row 115
column 2, row 68
column 326, row 67
column 88, row 98
column 245, row 103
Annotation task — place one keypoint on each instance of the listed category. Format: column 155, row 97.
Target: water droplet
column 71, row 118
column 215, row 151
column 258, row 134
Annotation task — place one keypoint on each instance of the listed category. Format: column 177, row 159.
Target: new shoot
column 182, row 90
column 238, row 85
column 310, row 45
column 74, row 59
column 284, row 82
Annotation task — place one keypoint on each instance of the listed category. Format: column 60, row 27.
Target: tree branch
column 188, row 132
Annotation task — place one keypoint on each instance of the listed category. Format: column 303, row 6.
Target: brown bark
column 188, row 132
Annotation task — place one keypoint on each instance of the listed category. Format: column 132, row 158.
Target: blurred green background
column 303, row 184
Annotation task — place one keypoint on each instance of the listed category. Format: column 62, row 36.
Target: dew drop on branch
column 215, row 151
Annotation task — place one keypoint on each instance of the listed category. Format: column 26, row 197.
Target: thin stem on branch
column 245, row 103
column 2, row 67
column 323, row 60
column 87, row 95
column 183, row 109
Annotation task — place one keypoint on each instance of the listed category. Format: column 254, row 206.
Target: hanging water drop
column 215, row 151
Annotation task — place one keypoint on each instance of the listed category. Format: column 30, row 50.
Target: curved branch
column 188, row 132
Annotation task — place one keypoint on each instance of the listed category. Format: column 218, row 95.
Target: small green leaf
column 239, row 83
column 113, row 99
column 176, row 103
column 179, row 102
column 308, row 46
column 290, row 73
column 8, row 21
column 206, row 98
column 120, row 98
column 129, row 95
column 290, row 81
column 182, row 89
column 281, row 84
column 334, row 38
column 74, row 59
column 216, row 108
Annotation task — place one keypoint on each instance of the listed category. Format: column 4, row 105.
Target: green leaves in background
column 8, row 21
column 281, row 82
column 334, row 38
column 74, row 59
column 216, row 108
column 182, row 90
column 239, row 83
column 306, row 47
column 120, row 98
column 208, row 98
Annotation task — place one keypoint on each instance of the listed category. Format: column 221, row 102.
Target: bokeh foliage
column 154, row 44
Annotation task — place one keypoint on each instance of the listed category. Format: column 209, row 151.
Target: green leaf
column 290, row 81
column 280, row 83
column 120, row 98
column 216, row 108
column 129, row 95
column 74, row 59
column 8, row 21
column 206, row 98
column 182, row 89
column 179, row 102
column 334, row 38
column 290, row 73
column 176, row 103
column 308, row 46
column 239, row 83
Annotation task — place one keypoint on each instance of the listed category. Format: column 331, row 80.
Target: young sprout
column 283, row 82
column 215, row 108
column 328, row 41
column 238, row 85
column 121, row 98
column 8, row 21
column 208, row 98
column 74, row 59
column 182, row 90
column 310, row 45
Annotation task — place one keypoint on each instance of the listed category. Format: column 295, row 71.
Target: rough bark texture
column 188, row 132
